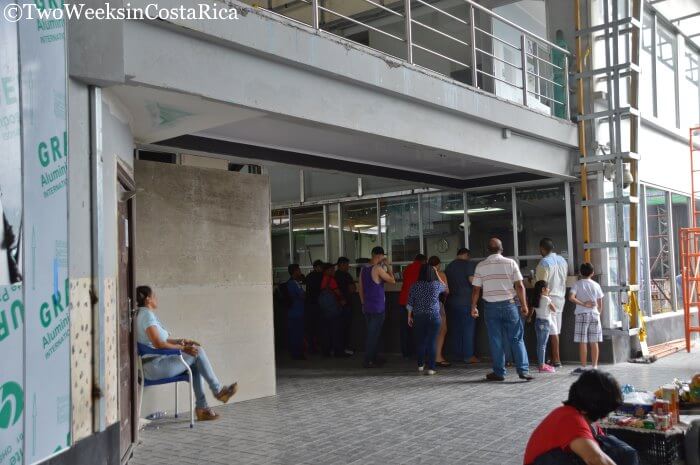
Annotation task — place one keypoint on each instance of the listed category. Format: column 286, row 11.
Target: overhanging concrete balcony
column 302, row 95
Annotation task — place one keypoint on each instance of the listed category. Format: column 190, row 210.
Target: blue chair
column 185, row 376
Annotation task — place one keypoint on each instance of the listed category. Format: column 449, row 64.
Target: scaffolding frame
column 690, row 248
column 620, row 34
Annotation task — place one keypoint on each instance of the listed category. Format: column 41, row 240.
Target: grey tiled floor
column 335, row 413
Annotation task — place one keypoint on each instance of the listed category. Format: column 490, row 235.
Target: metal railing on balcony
column 459, row 39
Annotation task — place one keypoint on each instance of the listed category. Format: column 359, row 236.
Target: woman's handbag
column 619, row 451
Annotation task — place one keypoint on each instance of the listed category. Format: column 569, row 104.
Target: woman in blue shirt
column 150, row 332
column 424, row 314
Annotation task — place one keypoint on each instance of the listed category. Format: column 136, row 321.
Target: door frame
column 125, row 177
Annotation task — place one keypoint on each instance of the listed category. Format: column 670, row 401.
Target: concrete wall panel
column 202, row 241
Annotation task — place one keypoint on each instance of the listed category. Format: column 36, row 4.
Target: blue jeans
column 295, row 335
column 375, row 321
column 462, row 330
column 426, row 329
column 506, row 346
column 505, row 328
column 167, row 366
column 542, row 330
column 406, row 334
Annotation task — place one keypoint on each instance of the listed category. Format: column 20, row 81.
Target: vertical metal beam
column 325, row 234
column 514, row 207
column 644, row 221
column 292, row 253
column 380, row 236
column 97, row 226
column 314, row 14
column 567, row 97
column 408, row 24
column 465, row 198
column 672, row 250
column 341, row 239
column 523, row 59
column 679, row 74
column 569, row 229
column 302, row 187
column 421, row 248
column 654, row 100
column 472, row 39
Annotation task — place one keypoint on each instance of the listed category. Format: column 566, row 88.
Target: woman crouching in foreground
column 567, row 436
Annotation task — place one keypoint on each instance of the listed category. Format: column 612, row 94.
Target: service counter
column 390, row 341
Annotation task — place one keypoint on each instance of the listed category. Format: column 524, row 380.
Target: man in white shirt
column 500, row 279
column 553, row 269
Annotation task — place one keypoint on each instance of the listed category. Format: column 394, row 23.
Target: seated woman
column 150, row 331
column 566, row 436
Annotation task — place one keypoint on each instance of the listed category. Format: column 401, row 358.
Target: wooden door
column 127, row 390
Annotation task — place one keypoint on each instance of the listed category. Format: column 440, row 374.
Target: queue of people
column 430, row 299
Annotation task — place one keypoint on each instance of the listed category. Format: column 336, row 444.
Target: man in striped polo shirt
column 500, row 280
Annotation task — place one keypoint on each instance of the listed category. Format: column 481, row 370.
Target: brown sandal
column 206, row 414
column 227, row 392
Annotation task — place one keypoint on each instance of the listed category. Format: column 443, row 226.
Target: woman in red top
column 568, row 428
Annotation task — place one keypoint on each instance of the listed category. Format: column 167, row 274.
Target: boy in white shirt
column 588, row 297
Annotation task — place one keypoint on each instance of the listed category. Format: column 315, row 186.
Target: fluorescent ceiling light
column 360, row 226
column 472, row 211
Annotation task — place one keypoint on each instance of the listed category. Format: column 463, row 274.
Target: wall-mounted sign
column 11, row 308
column 47, row 405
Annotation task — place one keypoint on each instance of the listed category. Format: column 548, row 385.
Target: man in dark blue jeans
column 460, row 273
column 500, row 279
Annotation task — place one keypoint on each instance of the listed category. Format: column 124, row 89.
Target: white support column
column 569, row 228
column 465, row 203
column 97, row 214
column 514, row 203
column 672, row 251
column 380, row 236
column 341, row 239
column 421, row 247
column 325, row 234
column 644, row 249
column 291, row 237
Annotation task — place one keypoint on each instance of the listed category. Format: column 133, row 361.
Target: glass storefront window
column 333, row 233
column 541, row 213
column 691, row 102
column 400, row 234
column 661, row 275
column 681, row 219
column 646, row 88
column 666, row 68
column 280, row 244
column 490, row 215
column 360, row 231
column 443, row 224
column 307, row 228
